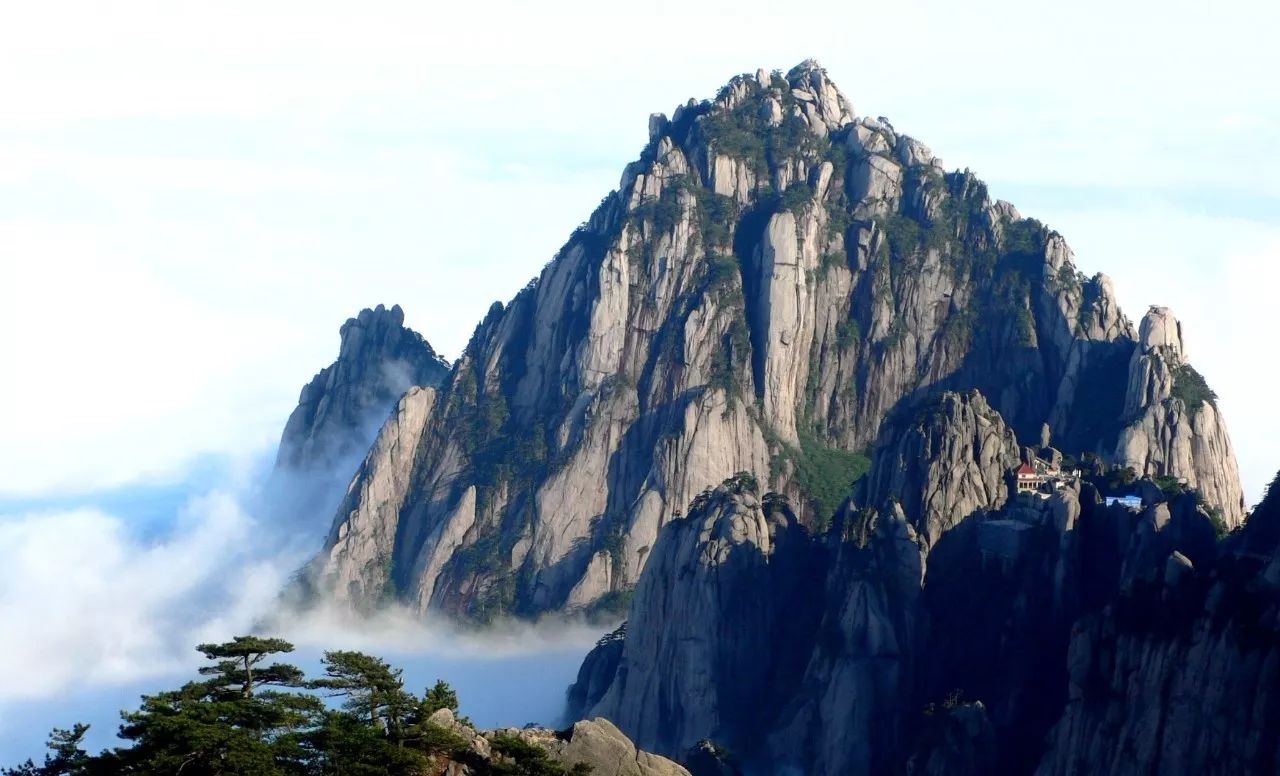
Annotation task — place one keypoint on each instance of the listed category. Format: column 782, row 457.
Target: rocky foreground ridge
column 773, row 279
column 594, row 747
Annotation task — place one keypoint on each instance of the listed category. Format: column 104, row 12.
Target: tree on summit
column 238, row 660
column 372, row 688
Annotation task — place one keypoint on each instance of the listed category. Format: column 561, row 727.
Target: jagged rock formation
column 731, row 559
column 868, row 675
column 953, row 460
column 1174, row 427
column 343, row 405
column 1181, row 674
column 362, row 541
column 336, row 420
column 596, row 744
column 773, row 279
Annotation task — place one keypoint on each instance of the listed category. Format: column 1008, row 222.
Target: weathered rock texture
column 901, row 651
column 336, row 420
column 1181, row 674
column 730, row 563
column 1174, row 427
column 773, row 279
column 341, row 408
column 595, row 743
column 951, row 460
column 362, row 541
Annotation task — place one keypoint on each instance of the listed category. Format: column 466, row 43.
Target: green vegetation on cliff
column 1191, row 387
column 825, row 474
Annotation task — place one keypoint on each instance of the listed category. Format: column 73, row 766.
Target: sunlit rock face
column 331, row 430
column 773, row 279
column 1175, row 429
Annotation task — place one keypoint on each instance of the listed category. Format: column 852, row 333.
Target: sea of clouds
column 99, row 605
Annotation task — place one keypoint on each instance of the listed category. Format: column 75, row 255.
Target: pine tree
column 225, row 724
column 238, row 660
column 65, row 758
column 372, row 688
column 440, row 696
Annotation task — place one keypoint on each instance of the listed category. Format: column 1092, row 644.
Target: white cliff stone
column 1167, row 437
column 357, row 559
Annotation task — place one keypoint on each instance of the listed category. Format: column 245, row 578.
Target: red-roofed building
column 1028, row 478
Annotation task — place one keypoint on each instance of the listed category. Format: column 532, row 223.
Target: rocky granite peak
column 1174, row 429
column 1160, row 331
column 340, row 409
column 774, row 282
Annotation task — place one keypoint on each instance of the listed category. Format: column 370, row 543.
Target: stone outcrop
column 340, row 410
column 949, row 461
column 972, row 625
column 337, row 419
column 1174, row 427
column 723, row 589
column 595, row 744
column 1181, row 674
column 772, row 280
column 599, row 744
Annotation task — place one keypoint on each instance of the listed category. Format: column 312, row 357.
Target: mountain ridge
column 773, row 279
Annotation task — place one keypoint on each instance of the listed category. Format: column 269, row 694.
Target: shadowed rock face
column 331, row 429
column 1181, row 674
column 946, row 654
column 772, row 280
column 723, row 596
column 341, row 408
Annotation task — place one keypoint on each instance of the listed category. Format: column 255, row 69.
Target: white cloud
column 94, row 603
column 96, row 611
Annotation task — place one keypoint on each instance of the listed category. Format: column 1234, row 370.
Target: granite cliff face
column 337, row 418
column 341, row 408
column 773, row 279
column 961, row 652
column 1174, row 427
column 732, row 559
column 1181, row 674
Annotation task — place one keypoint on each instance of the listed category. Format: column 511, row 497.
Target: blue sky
column 194, row 196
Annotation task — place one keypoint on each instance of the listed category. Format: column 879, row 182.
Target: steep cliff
column 723, row 598
column 773, row 279
column 1181, row 674
column 900, row 650
column 339, row 411
column 331, row 429
column 1174, row 429
column 362, row 540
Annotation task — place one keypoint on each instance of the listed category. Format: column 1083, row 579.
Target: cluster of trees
column 248, row 714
